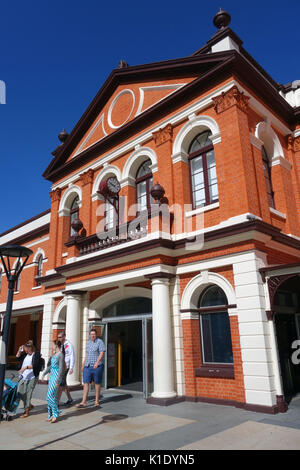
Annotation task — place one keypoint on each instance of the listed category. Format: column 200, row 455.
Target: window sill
column 210, row 207
column 279, row 214
column 223, row 371
column 36, row 287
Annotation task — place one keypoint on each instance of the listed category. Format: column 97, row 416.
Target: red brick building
column 175, row 230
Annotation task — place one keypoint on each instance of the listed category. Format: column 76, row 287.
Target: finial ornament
column 157, row 192
column 222, row 19
column 63, row 136
column 122, row 64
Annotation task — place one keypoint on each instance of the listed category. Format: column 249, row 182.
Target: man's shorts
column 63, row 381
column 93, row 375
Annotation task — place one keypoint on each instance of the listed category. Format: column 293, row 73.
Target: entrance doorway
column 287, row 333
column 126, row 329
column 287, row 325
column 127, row 371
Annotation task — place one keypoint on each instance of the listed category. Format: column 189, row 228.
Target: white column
column 47, row 332
column 163, row 374
column 84, row 331
column 73, row 332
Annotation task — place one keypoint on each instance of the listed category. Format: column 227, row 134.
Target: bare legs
column 97, row 393
column 67, row 392
column 85, row 395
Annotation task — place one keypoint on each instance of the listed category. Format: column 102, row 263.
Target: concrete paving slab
column 185, row 425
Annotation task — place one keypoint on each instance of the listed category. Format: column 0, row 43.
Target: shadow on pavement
column 104, row 419
column 42, row 409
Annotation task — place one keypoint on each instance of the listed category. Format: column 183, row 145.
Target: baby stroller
column 10, row 399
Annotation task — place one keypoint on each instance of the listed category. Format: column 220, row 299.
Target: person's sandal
column 80, row 405
column 25, row 414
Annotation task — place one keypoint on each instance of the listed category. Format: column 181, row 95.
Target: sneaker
column 69, row 402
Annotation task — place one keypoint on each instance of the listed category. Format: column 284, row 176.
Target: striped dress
column 56, row 369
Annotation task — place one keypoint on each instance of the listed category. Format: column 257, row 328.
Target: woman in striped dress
column 56, row 367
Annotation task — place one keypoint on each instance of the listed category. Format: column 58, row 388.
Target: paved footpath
column 125, row 422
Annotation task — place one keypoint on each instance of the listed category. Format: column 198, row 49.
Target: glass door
column 107, row 330
column 147, row 357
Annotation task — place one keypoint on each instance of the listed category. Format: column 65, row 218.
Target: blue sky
column 55, row 55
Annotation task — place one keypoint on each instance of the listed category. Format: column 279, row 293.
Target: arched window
column 39, row 270
column 74, row 214
column 268, row 179
column 215, row 326
column 203, row 170
column 144, row 182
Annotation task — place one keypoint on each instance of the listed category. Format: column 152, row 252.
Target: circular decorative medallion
column 121, row 109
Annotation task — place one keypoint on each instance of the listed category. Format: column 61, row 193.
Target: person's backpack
column 41, row 364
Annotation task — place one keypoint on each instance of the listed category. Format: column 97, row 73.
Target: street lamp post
column 14, row 258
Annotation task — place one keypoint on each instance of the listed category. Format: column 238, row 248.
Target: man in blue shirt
column 92, row 368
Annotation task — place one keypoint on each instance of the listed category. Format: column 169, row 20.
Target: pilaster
column 163, row 141
column 54, row 225
column 259, row 363
column 86, row 210
column 234, row 162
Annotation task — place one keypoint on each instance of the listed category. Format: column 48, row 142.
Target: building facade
column 174, row 230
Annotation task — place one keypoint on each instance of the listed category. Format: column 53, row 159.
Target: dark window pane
column 268, row 178
column 132, row 306
column 73, row 216
column 212, row 297
column 75, row 203
column 216, row 338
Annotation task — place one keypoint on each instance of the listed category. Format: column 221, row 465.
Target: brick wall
column 217, row 388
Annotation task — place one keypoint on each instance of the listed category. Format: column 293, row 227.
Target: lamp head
column 14, row 258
